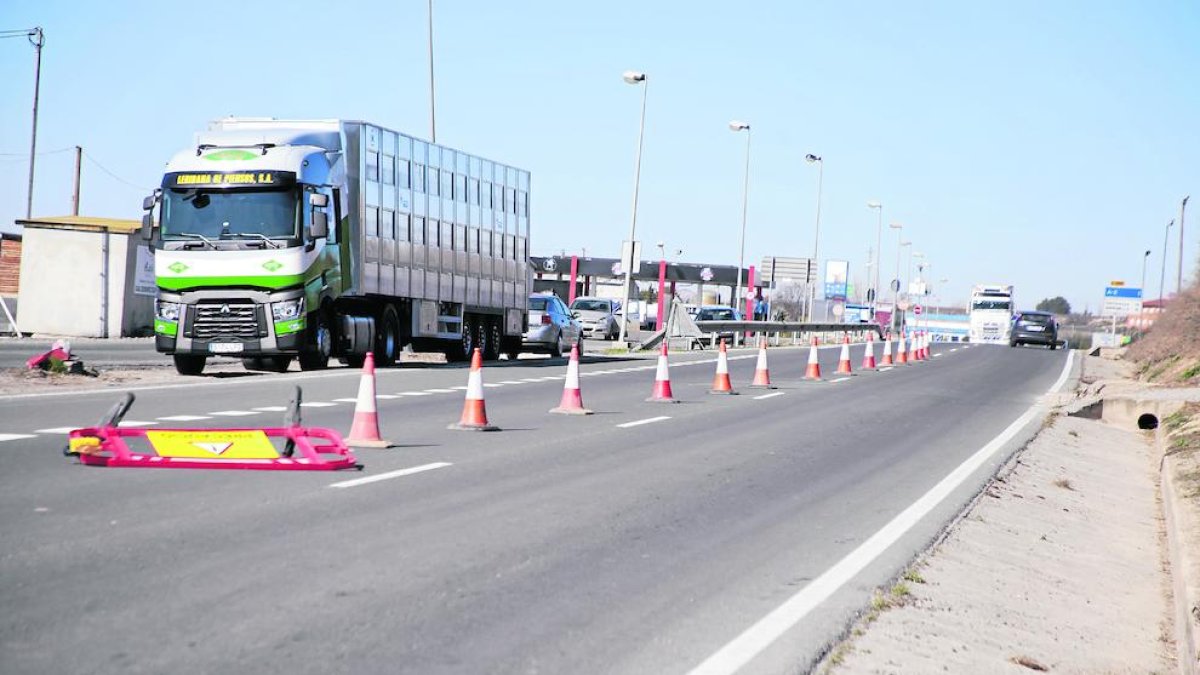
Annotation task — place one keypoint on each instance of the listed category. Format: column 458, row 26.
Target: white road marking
column 382, row 397
column 58, row 430
column 184, row 418
column 390, row 474
column 453, row 388
column 493, row 384
column 937, row 355
column 527, row 379
column 16, row 437
column 136, row 423
column 745, row 647
column 416, row 393
column 886, row 368
column 272, row 408
column 838, row 379
column 351, row 400
column 510, row 382
column 771, row 395
column 638, row 423
column 954, row 349
column 234, row 413
column 317, row 404
column 440, row 391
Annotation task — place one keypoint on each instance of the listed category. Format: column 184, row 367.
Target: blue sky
column 1042, row 144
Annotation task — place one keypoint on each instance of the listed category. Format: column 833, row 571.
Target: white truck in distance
column 991, row 313
column 315, row 239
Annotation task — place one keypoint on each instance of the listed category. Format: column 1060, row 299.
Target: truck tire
column 190, row 364
column 489, row 338
column 462, row 350
column 318, row 342
column 511, row 347
column 387, row 339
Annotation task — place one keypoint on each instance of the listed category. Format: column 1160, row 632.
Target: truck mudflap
column 292, row 447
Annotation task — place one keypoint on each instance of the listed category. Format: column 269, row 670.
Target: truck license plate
column 226, row 347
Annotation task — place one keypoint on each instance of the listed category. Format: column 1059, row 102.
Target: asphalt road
column 559, row 544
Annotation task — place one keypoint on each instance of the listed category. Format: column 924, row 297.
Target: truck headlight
column 166, row 311
column 287, row 309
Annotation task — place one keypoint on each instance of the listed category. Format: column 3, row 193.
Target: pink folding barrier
column 289, row 448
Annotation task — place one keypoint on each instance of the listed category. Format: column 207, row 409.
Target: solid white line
column 771, row 395
column 57, row 430
column 390, row 474
column 745, row 647
column 440, row 391
column 271, row 408
column 15, row 437
column 233, row 413
column 527, row 379
column 317, row 404
column 492, row 384
column 638, row 423
column 352, row 400
column 382, row 397
column 510, row 382
column 183, row 418
column 416, row 393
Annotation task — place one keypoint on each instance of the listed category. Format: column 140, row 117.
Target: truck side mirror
column 318, row 199
column 320, row 224
column 148, row 202
column 147, row 226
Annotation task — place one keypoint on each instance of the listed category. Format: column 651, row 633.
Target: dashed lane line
column 771, row 395
column 15, row 437
column 271, row 408
column 317, row 404
column 183, row 418
column 648, row 420
column 56, row 430
column 366, row 480
column 236, row 413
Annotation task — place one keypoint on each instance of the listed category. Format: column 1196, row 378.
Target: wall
column 10, row 266
column 62, row 273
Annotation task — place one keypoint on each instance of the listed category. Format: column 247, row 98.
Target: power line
column 113, row 175
column 44, row 152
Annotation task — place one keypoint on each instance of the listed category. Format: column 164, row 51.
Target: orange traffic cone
column 762, row 376
column 721, row 383
column 914, row 354
column 813, row 372
column 364, row 431
column 843, row 366
column 474, row 414
column 662, row 380
column 869, row 355
column 924, row 345
column 887, row 350
column 901, row 350
column 572, row 400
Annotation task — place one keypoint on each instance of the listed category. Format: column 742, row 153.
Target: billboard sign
column 837, row 277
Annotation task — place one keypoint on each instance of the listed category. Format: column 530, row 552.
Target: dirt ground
column 1059, row 566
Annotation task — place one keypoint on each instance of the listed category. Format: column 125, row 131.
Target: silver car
column 552, row 327
column 598, row 316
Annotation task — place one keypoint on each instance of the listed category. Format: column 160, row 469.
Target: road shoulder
column 1060, row 564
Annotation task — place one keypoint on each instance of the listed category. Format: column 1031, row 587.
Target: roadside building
column 83, row 276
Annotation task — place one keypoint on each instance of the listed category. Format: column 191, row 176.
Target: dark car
column 1034, row 328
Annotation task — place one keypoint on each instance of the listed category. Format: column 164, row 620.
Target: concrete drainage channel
column 1146, row 414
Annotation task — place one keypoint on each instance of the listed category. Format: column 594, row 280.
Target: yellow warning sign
column 212, row 444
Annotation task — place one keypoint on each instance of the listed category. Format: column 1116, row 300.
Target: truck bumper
column 229, row 323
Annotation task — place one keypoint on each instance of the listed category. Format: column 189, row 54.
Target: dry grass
column 1170, row 352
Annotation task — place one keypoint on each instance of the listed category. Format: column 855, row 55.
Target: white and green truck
column 277, row 240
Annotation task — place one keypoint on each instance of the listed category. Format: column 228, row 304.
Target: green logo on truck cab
column 231, row 155
column 178, row 267
column 272, row 265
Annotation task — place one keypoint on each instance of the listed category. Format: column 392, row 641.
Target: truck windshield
column 229, row 214
column 991, row 304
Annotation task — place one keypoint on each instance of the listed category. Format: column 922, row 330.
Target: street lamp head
column 896, row 226
column 874, row 204
column 810, row 158
column 1170, row 223
column 737, row 125
column 1146, row 254
column 634, row 77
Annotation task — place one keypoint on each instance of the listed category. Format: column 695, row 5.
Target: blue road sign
column 1123, row 292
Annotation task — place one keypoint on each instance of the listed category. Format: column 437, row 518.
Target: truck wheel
column 314, row 355
column 275, row 364
column 190, row 364
column 466, row 346
column 387, row 339
column 511, row 347
column 489, row 331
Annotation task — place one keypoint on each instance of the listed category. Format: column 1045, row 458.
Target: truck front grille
column 226, row 320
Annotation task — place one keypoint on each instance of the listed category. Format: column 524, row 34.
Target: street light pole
column 736, row 126
column 896, row 283
column 633, row 77
column 812, row 285
column 1145, row 257
column 432, row 117
column 1179, row 272
column 1162, row 277
column 875, row 204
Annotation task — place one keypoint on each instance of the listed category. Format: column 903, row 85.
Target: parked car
column 552, row 327
column 598, row 316
column 718, row 313
column 1034, row 328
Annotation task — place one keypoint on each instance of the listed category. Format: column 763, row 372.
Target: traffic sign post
column 1120, row 301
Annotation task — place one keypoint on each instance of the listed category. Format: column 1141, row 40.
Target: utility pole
column 37, row 38
column 1162, row 275
column 432, row 116
column 75, row 191
column 1179, row 273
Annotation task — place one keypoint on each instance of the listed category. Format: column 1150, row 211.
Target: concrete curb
column 1186, row 645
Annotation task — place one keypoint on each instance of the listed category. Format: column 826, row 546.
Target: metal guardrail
column 710, row 330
